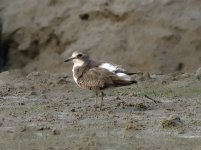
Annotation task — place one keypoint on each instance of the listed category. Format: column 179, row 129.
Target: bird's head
column 78, row 57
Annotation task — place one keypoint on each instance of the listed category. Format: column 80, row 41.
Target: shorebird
column 97, row 76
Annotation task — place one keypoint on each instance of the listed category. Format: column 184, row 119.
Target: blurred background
column 142, row 35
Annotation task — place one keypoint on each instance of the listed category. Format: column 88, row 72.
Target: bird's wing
column 100, row 78
column 97, row 78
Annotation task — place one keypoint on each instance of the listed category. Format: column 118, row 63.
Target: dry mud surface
column 48, row 111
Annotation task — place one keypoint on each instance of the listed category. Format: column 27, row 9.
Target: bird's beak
column 69, row 59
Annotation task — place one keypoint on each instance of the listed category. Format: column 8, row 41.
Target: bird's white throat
column 78, row 63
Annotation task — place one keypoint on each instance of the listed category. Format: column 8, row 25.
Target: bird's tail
column 122, row 82
column 133, row 73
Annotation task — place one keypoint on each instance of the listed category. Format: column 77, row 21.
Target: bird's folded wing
column 98, row 77
column 102, row 78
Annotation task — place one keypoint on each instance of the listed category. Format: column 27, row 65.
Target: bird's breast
column 74, row 75
column 77, row 72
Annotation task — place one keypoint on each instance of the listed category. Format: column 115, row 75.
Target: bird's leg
column 102, row 95
column 96, row 99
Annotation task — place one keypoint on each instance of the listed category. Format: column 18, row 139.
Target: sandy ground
column 48, row 111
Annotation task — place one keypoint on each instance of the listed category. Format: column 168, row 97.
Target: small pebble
column 73, row 110
column 56, row 132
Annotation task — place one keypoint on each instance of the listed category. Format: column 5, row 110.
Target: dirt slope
column 154, row 35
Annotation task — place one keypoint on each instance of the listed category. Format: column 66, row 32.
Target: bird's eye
column 79, row 55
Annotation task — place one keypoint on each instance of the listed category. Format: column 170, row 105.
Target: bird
column 97, row 76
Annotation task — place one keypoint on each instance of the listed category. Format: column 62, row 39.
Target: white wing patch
column 116, row 70
column 124, row 76
column 112, row 67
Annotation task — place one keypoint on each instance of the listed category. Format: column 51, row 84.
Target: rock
column 172, row 122
column 141, row 106
column 51, row 148
column 73, row 110
column 132, row 126
column 21, row 103
column 55, row 131
column 43, row 128
column 84, row 16
column 32, row 75
column 23, row 129
column 32, row 93
column 198, row 73
column 118, row 98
